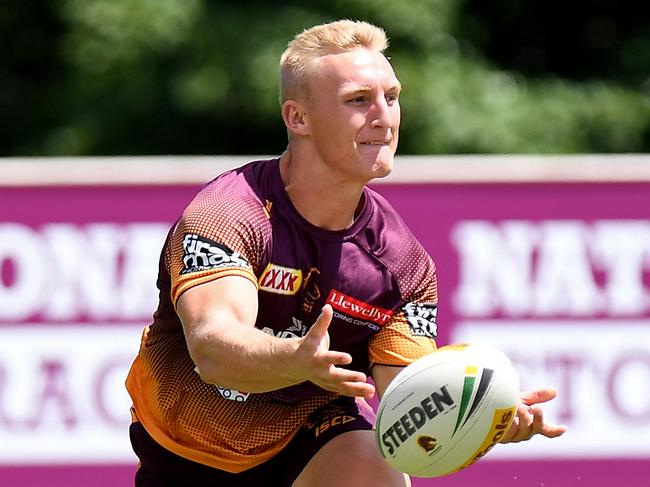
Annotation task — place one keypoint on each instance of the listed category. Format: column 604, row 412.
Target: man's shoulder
column 251, row 178
column 227, row 216
column 242, row 189
column 231, row 210
column 386, row 218
column 391, row 241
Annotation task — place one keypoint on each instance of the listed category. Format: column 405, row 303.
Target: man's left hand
column 529, row 419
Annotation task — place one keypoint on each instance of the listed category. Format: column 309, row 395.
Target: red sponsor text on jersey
column 358, row 309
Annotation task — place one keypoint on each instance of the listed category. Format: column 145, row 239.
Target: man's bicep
column 400, row 343
column 218, row 304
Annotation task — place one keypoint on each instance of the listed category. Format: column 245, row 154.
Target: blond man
column 285, row 285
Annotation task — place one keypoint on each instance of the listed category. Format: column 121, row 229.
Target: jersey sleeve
column 221, row 233
column 411, row 331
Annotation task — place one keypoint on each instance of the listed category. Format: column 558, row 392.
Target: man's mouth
column 377, row 142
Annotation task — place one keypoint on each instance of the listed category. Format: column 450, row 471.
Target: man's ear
column 295, row 117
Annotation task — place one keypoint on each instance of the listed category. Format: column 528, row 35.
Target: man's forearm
column 246, row 359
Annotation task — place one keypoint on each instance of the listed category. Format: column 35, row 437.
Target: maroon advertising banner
column 555, row 273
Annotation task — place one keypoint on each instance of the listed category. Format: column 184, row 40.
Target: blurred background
column 523, row 168
column 107, row 77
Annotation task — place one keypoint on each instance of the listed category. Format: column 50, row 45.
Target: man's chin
column 383, row 168
column 383, row 173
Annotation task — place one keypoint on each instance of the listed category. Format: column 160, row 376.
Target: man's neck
column 324, row 198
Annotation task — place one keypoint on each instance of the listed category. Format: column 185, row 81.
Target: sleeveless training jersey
column 378, row 279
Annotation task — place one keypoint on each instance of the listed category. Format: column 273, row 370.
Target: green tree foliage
column 200, row 77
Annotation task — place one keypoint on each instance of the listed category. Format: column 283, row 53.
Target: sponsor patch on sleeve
column 421, row 318
column 200, row 254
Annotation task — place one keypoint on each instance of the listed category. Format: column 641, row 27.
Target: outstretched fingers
column 336, row 358
column 529, row 419
column 319, row 329
column 341, row 380
column 347, row 382
column 537, row 396
column 321, row 363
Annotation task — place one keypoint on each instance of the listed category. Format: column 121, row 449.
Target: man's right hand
column 316, row 362
column 219, row 322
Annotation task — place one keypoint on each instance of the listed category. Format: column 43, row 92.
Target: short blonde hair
column 321, row 40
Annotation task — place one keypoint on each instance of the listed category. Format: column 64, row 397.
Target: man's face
column 354, row 114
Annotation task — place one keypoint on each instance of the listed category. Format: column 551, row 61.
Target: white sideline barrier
column 408, row 169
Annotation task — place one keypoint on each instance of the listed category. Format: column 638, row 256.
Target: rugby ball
column 446, row 410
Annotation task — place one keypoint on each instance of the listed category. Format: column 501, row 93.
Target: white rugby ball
column 446, row 410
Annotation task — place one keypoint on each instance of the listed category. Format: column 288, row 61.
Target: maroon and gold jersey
column 378, row 279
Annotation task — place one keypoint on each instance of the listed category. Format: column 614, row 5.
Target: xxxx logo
column 472, row 393
column 280, row 280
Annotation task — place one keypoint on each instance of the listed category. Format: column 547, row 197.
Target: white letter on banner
column 86, row 278
column 101, row 285
column 621, row 248
column 565, row 281
column 22, row 248
column 103, row 269
column 56, row 394
column 627, row 387
column 495, row 267
column 143, row 243
column 69, row 248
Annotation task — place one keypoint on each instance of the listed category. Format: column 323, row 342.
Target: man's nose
column 382, row 115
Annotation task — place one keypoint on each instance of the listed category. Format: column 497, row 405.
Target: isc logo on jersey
column 280, row 280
